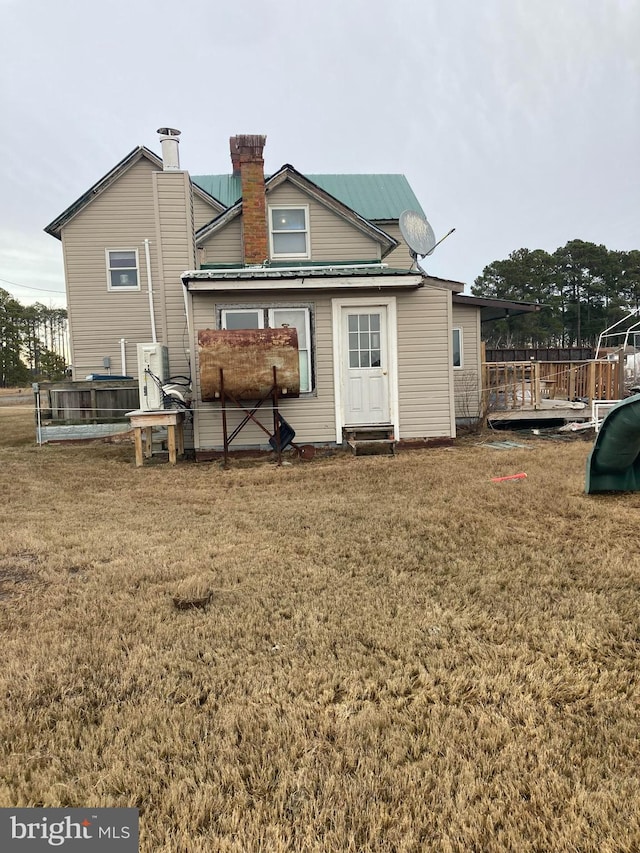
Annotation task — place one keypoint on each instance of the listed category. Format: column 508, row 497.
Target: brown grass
column 395, row 655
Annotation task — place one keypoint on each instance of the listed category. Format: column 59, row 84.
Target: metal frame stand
column 272, row 394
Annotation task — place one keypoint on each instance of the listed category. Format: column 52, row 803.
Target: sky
column 516, row 122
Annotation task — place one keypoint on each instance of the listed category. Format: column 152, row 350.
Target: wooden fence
column 525, row 384
column 540, row 354
column 88, row 401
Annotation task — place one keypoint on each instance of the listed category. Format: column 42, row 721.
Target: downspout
column 147, row 255
column 187, row 315
column 123, row 356
column 188, row 310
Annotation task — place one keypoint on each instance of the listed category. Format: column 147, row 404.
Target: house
column 154, row 254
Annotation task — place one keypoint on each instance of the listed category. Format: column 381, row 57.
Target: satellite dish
column 417, row 233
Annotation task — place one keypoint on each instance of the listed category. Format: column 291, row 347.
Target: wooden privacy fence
column 525, row 384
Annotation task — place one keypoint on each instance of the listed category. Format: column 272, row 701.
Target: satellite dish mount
column 418, row 235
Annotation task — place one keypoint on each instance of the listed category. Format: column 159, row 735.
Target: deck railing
column 525, row 384
column 593, row 380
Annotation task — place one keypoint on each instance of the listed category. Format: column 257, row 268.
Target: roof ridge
column 373, row 195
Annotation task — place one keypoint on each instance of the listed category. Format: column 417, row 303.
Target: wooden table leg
column 171, row 440
column 137, row 434
column 149, row 442
column 180, row 429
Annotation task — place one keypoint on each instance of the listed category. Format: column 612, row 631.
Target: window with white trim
column 298, row 318
column 242, row 318
column 457, row 348
column 289, row 231
column 122, row 269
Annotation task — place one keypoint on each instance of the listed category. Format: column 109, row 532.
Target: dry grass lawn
column 392, row 654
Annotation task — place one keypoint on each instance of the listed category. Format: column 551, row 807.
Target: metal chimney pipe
column 169, row 142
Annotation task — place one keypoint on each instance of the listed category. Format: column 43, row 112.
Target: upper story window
column 122, row 269
column 289, row 232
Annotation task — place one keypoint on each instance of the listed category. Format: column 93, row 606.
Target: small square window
column 122, row 269
column 289, row 232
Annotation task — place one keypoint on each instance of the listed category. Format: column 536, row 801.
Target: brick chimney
column 235, row 156
column 246, row 157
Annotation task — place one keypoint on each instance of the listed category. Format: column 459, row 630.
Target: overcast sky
column 515, row 121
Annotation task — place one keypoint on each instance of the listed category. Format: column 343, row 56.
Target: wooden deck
column 545, row 390
column 560, row 413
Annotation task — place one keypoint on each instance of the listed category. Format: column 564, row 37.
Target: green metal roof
column 225, row 271
column 372, row 196
column 375, row 197
column 226, row 188
column 274, row 265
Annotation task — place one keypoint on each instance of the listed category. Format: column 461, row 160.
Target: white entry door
column 365, row 365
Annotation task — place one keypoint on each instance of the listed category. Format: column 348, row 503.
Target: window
column 272, row 318
column 296, row 318
column 457, row 347
column 242, row 318
column 122, row 269
column 364, row 340
column 289, row 232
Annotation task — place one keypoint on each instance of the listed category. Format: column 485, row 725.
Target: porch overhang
column 311, row 279
column 496, row 309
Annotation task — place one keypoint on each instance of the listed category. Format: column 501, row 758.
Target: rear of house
column 153, row 254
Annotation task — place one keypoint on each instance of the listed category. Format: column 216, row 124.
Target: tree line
column 33, row 342
column 583, row 288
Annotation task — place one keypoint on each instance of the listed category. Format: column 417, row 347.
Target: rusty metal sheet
column 247, row 357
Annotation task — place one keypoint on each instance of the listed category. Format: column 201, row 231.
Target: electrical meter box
column 153, row 372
